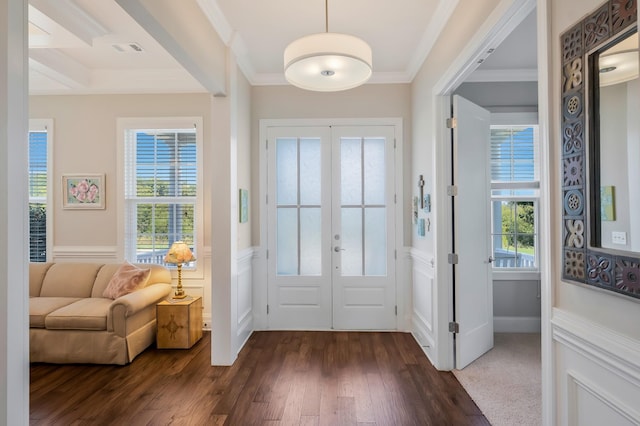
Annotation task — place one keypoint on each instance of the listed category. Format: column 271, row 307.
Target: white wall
column 596, row 337
column 14, row 282
column 613, row 172
column 633, row 138
column 231, row 274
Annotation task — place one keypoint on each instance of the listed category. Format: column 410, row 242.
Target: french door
column 331, row 232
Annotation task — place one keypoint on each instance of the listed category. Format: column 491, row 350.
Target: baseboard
column 516, row 324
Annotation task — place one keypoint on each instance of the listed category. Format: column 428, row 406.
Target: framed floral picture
column 83, row 191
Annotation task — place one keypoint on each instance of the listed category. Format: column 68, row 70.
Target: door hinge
column 452, row 123
column 396, row 310
column 454, row 327
column 267, row 309
column 266, row 198
column 395, row 254
column 394, row 143
column 267, row 254
column 266, row 144
column 452, row 258
column 452, row 190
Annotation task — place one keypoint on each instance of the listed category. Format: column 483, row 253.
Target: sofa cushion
column 84, row 314
column 67, row 279
column 126, row 279
column 40, row 307
column 103, row 278
column 37, row 271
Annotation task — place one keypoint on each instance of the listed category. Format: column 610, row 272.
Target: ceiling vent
column 128, row 47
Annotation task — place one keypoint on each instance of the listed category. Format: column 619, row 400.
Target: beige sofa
column 72, row 322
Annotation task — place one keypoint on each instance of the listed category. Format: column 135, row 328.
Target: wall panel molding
column 603, row 346
column 579, row 389
column 244, row 299
column 423, row 298
column 597, row 373
column 85, row 254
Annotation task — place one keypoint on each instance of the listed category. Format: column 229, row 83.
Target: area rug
column 506, row 382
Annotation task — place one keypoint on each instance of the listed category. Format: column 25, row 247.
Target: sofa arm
column 135, row 309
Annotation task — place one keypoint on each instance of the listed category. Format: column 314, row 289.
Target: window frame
column 515, row 119
column 127, row 124
column 46, row 125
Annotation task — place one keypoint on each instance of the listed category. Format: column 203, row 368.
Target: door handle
column 337, row 249
column 490, row 260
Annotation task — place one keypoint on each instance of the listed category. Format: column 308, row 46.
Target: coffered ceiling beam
column 183, row 30
column 59, row 67
column 72, row 17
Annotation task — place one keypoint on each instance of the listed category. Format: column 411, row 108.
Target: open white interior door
column 473, row 291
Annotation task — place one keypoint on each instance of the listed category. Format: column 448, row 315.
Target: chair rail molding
column 84, row 253
column 613, row 351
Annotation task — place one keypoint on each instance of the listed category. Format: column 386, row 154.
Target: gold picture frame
column 83, row 191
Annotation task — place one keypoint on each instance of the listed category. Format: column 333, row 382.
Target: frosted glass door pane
column 287, row 241
column 287, row 171
column 351, row 241
column 374, row 171
column 375, row 241
column 310, row 172
column 310, row 241
column 351, row 171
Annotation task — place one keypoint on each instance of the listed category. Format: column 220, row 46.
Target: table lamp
column 178, row 254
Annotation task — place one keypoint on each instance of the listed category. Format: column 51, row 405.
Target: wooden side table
column 179, row 322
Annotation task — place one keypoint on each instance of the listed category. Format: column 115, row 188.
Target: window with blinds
column 38, row 176
column 161, row 182
column 515, row 190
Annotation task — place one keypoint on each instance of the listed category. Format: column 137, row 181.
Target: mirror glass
column 617, row 182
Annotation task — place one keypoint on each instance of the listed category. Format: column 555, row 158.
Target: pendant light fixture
column 327, row 62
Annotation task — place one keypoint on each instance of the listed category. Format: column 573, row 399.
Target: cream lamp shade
column 178, row 254
column 327, row 62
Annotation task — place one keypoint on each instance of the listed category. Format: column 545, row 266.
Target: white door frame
column 499, row 24
column 403, row 291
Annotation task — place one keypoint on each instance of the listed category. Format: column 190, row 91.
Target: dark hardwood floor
column 279, row 378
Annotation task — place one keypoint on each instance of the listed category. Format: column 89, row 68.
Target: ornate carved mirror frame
column 582, row 263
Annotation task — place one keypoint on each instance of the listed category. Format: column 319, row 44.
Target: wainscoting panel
column 106, row 254
column 423, row 299
column 598, row 371
column 245, row 297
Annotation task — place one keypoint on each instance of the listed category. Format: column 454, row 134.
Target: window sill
column 516, row 275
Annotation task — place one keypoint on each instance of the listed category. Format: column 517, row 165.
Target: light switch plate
column 619, row 237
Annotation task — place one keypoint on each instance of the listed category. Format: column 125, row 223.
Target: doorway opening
column 516, row 287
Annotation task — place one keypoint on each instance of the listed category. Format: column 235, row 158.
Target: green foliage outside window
column 518, row 226
column 37, row 232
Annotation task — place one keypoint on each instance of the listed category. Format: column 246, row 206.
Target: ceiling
column 89, row 46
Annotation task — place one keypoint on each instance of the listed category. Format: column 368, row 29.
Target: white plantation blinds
column 38, row 196
column 161, row 182
column 514, row 153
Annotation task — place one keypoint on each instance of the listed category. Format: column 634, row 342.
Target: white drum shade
column 328, row 62
column 618, row 67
